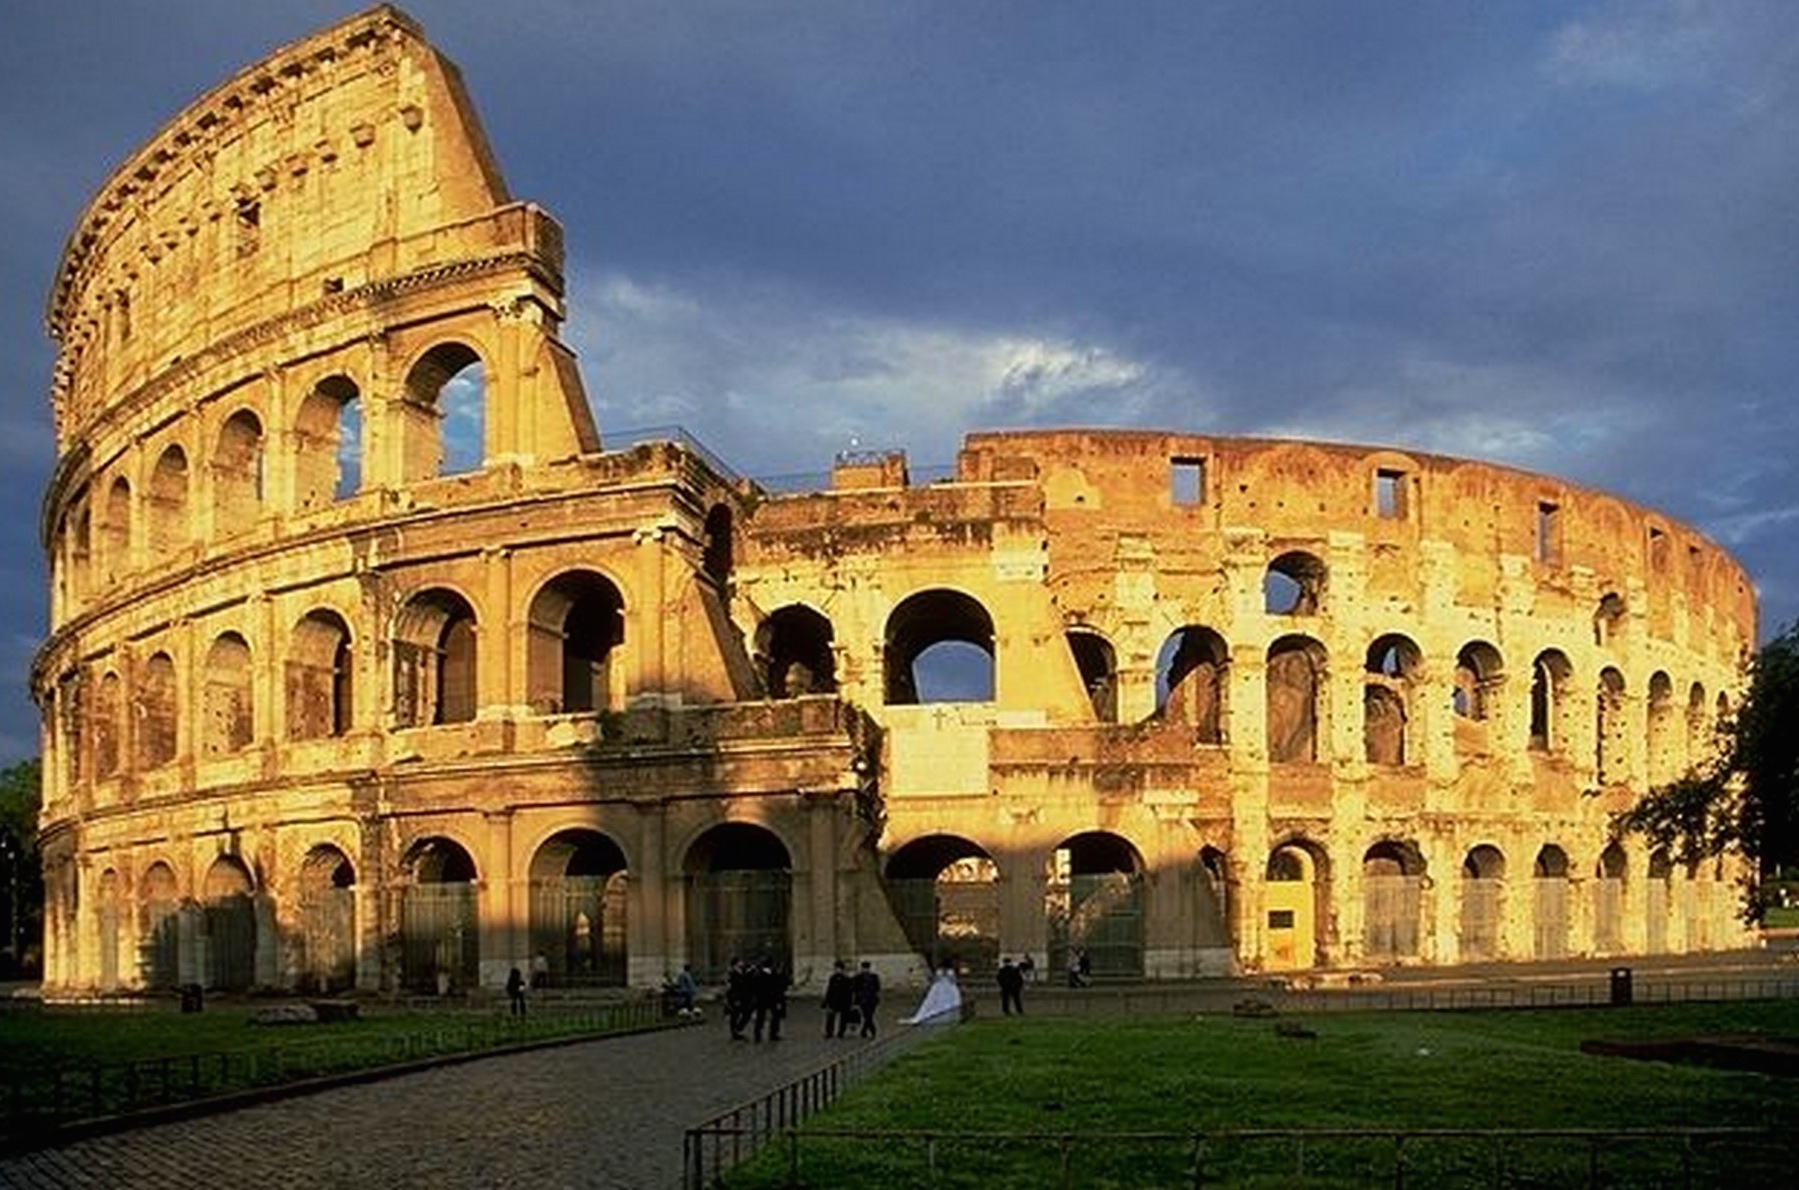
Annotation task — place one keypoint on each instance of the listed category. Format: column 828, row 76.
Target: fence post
column 793, row 1156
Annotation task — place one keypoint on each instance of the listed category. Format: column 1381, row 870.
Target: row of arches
column 248, row 469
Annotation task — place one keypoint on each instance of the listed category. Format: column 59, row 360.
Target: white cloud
column 1638, row 44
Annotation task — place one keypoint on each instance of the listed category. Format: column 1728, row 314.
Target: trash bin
column 192, row 999
column 1621, row 991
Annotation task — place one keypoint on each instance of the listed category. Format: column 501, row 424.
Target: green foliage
column 21, row 788
column 1747, row 800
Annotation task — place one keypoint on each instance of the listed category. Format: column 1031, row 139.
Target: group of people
column 756, row 998
column 851, row 1000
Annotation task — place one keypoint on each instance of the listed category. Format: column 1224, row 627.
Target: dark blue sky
column 1562, row 236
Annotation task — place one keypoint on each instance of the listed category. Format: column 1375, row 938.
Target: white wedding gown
column 942, row 1003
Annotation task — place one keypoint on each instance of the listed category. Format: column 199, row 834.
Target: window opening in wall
column 1188, row 477
column 1658, row 550
column 1549, row 532
column 249, row 227
column 1293, row 585
column 1608, row 620
column 121, row 307
column 1389, row 495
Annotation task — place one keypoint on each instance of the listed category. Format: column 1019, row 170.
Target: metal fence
column 39, row 1101
column 1461, row 1157
column 718, row 1145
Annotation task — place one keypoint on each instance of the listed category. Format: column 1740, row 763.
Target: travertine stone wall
column 370, row 667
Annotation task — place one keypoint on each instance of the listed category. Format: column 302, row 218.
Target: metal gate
column 161, row 955
column 328, row 937
column 578, row 925
column 1102, row 914
column 951, row 922
column 1656, row 923
column 1482, row 900
column 737, row 914
column 231, row 943
column 1608, row 914
column 109, row 945
column 1551, row 917
column 440, row 938
column 1390, row 905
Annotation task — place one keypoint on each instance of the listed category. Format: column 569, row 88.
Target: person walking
column 738, row 998
column 865, row 989
column 515, row 991
column 840, row 1002
column 1011, row 988
column 768, row 991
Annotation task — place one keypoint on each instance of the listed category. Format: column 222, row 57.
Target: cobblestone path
column 608, row 1113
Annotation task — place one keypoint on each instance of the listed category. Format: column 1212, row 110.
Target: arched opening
column 443, row 418
column 717, row 558
column 1550, row 880
column 1608, row 620
column 945, row 892
column 1296, row 708
column 327, row 921
column 440, row 919
column 1699, row 728
column 1610, row 759
column 793, row 647
column 78, row 541
column 1293, row 584
column 320, row 677
column 1212, row 913
column 109, row 930
column 328, row 444
column 434, row 660
column 1483, row 903
column 1097, row 663
column 1093, row 903
column 1392, row 900
column 109, row 704
column 170, row 527
column 1389, row 674
column 115, row 532
column 230, row 922
column 237, row 474
column 160, row 928
column 229, row 722
column 577, row 621
column 156, row 708
column 579, row 890
column 1293, row 894
column 1192, row 682
column 1475, row 698
column 1550, row 707
column 1662, row 736
column 739, row 899
column 939, row 648
column 1608, row 901
column 1660, row 902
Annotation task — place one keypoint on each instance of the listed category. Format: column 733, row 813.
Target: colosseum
column 372, row 665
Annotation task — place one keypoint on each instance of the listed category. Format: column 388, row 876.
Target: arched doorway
column 739, row 899
column 1660, row 901
column 1294, row 882
column 230, row 919
column 327, row 921
column 1093, row 902
column 579, row 888
column 109, row 930
column 440, row 938
column 945, row 892
column 1392, row 897
column 161, row 932
column 1550, row 878
column 1608, row 901
column 1483, row 902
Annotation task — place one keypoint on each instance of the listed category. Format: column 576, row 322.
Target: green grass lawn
column 1777, row 918
column 1100, row 1078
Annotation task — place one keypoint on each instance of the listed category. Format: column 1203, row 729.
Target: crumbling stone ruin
column 331, row 702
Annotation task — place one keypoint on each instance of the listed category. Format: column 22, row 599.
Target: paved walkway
column 606, row 1113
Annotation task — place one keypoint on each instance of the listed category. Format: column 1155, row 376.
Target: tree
column 1746, row 799
column 21, row 872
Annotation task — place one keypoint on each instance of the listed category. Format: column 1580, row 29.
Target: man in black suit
column 1011, row 988
column 865, row 989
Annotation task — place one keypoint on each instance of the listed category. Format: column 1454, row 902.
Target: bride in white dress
column 942, row 1003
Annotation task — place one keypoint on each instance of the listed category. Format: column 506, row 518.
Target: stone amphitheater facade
column 329, row 705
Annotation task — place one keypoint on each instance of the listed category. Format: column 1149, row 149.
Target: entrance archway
column 579, row 888
column 945, row 892
column 161, row 929
column 1392, row 896
column 1294, row 882
column 230, row 919
column 440, row 936
column 1093, row 902
column 1483, row 902
column 327, row 921
column 739, row 899
column 1550, row 878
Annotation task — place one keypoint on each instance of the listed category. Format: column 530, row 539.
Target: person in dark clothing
column 840, row 1002
column 1011, row 988
column 739, row 998
column 768, row 992
column 515, row 991
column 865, row 990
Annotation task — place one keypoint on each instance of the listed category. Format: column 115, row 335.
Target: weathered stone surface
column 328, row 704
